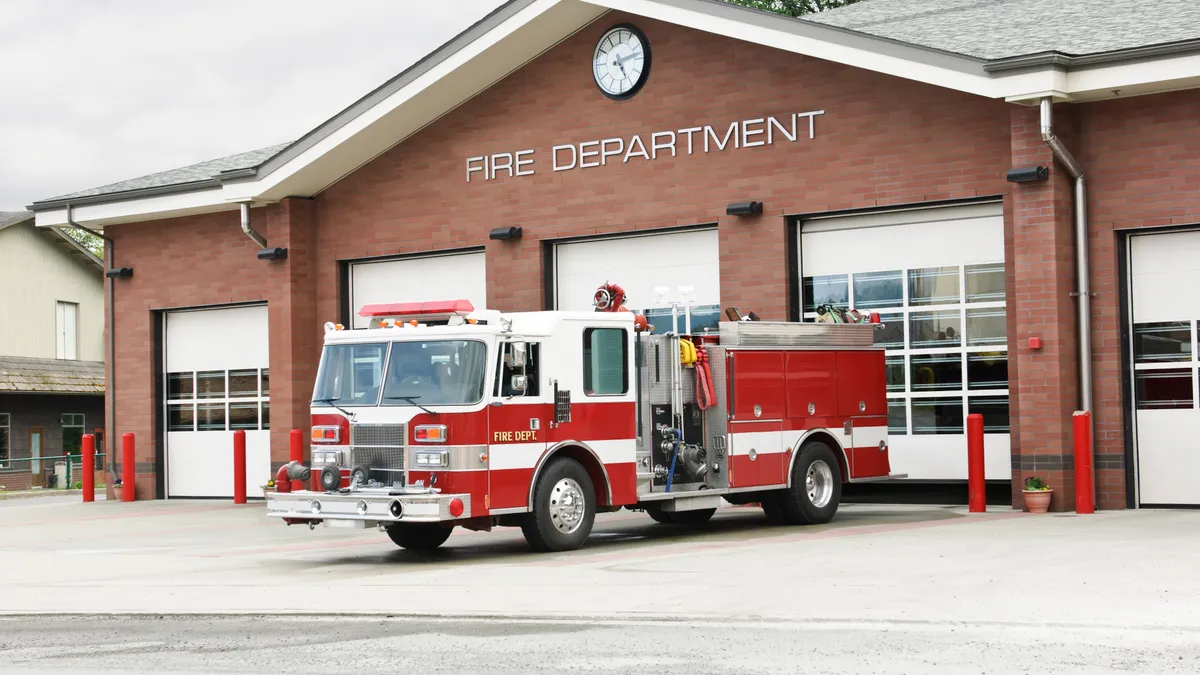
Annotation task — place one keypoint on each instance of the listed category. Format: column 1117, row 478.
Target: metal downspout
column 258, row 238
column 1083, row 283
column 110, row 393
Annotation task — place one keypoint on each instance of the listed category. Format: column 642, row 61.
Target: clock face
column 621, row 62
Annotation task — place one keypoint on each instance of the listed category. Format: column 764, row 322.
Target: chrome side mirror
column 519, row 384
column 517, row 355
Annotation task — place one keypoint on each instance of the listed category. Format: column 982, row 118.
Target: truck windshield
column 435, row 372
column 350, row 374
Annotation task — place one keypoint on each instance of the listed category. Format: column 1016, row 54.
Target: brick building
column 519, row 166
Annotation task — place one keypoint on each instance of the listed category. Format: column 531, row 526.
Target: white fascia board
column 134, row 210
column 1144, row 77
column 460, row 77
column 980, row 85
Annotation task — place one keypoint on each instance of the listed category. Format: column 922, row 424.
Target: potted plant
column 1037, row 495
column 117, row 490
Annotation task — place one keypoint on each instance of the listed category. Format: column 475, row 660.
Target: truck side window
column 605, row 361
column 532, row 372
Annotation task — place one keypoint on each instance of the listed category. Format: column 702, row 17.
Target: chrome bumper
column 363, row 507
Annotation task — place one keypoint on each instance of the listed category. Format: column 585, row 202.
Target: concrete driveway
column 1002, row 581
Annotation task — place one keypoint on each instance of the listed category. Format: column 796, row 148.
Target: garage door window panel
column 937, row 416
column 933, row 286
column 935, row 330
column 985, row 283
column 877, row 290
column 987, row 370
column 1164, row 389
column 243, row 416
column 936, row 372
column 1162, row 342
column 994, row 410
column 210, row 384
column 181, row 417
column 4, row 440
column 833, row 289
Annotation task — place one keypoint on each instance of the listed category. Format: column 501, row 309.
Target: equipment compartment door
column 868, row 458
column 756, row 454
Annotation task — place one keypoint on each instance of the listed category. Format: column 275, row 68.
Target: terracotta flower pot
column 1037, row 501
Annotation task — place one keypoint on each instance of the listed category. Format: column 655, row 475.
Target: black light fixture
column 505, row 233
column 744, row 209
column 119, row 272
column 1028, row 174
column 272, row 254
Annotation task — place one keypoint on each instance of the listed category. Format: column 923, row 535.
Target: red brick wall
column 881, row 141
column 1142, row 158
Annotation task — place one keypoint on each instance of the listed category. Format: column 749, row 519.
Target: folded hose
column 706, row 396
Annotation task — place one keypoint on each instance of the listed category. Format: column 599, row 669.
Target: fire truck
column 438, row 416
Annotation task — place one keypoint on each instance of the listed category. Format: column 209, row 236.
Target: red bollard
column 239, row 467
column 128, row 468
column 296, row 454
column 976, row 485
column 1085, row 500
column 88, row 455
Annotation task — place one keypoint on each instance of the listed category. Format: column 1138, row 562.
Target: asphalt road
column 254, row 644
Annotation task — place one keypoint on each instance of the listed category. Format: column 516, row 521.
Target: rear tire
column 655, row 511
column 772, row 506
column 697, row 517
column 816, row 486
column 419, row 536
column 564, row 508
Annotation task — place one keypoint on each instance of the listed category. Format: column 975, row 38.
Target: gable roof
column 202, row 174
column 1016, row 50
column 990, row 30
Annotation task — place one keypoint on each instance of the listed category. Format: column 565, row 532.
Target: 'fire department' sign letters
column 739, row 134
column 514, row 436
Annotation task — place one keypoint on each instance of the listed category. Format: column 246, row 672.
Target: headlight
column 320, row 457
column 432, row 458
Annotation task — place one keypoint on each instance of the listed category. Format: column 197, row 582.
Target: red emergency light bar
column 418, row 310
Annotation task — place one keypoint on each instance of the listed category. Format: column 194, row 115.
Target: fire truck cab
column 439, row 416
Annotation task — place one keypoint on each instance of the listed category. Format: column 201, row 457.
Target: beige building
column 51, row 350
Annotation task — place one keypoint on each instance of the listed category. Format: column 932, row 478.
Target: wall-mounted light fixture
column 1028, row 174
column 119, row 273
column 505, row 233
column 744, row 209
column 272, row 254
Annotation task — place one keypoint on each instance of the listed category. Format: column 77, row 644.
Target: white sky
column 96, row 91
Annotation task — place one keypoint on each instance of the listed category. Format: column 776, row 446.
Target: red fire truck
column 437, row 416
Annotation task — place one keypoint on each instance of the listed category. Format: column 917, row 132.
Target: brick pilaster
column 1043, row 269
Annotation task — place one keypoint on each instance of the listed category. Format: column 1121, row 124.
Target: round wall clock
column 621, row 62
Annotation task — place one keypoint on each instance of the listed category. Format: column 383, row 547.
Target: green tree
column 792, row 7
column 90, row 241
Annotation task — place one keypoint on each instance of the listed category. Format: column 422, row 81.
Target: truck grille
column 380, row 448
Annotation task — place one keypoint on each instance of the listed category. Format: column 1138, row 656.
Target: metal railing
column 55, row 472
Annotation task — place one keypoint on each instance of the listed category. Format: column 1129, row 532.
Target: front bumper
column 364, row 507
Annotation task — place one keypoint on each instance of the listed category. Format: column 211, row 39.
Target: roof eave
column 1055, row 59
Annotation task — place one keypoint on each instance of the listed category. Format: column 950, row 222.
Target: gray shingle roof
column 13, row 217
column 19, row 374
column 204, row 171
column 997, row 29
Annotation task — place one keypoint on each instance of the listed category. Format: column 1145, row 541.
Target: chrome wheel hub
column 819, row 484
column 567, row 505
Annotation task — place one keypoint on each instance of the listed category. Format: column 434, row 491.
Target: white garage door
column 640, row 264
column 936, row 276
column 439, row 277
column 1164, row 273
column 217, row 381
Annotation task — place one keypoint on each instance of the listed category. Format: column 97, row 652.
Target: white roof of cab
column 526, row 324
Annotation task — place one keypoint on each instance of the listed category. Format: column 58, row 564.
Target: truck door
column 756, row 385
column 517, row 419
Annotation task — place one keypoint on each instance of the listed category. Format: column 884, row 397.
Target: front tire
column 816, row 488
column 419, row 536
column 564, row 508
